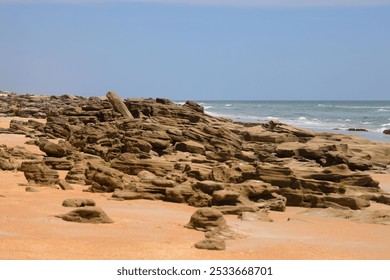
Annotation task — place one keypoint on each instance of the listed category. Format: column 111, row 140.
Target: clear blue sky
column 241, row 50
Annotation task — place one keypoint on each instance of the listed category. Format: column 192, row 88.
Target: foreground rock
column 212, row 222
column 89, row 214
column 206, row 219
column 211, row 244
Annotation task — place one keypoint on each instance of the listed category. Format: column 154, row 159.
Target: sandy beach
column 155, row 230
column 146, row 229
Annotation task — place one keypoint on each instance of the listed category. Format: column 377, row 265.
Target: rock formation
column 156, row 149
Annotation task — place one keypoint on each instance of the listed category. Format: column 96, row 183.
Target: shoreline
column 310, row 114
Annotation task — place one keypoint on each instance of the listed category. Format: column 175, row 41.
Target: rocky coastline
column 155, row 149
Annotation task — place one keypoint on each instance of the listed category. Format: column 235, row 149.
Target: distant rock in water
column 358, row 129
column 386, row 131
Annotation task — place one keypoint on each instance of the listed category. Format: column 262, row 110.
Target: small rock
column 31, row 189
column 89, row 214
column 65, row 185
column 211, row 244
column 78, row 202
column 255, row 216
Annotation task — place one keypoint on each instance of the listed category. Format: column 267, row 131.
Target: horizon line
column 222, row 3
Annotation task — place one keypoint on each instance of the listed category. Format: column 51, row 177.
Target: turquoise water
column 373, row 116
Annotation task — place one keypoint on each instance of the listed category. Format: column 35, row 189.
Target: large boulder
column 103, row 178
column 76, row 175
column 37, row 172
column 52, row 149
column 7, row 165
column 205, row 219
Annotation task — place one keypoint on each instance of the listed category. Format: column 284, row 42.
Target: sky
column 198, row 49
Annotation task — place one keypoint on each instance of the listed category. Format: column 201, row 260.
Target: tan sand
column 155, row 229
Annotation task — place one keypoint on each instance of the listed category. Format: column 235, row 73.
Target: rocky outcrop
column 156, row 149
column 10, row 158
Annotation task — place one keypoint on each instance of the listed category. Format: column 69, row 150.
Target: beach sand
column 145, row 229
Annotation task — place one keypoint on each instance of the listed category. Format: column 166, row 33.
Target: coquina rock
column 88, row 214
column 37, row 172
column 156, row 149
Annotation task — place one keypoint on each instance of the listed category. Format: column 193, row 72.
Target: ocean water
column 333, row 116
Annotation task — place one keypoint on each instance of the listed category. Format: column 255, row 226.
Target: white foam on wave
column 383, row 110
column 236, row 117
column 208, row 107
column 385, row 124
column 271, row 118
column 228, row 105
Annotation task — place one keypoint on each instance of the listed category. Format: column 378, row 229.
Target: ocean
column 321, row 116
